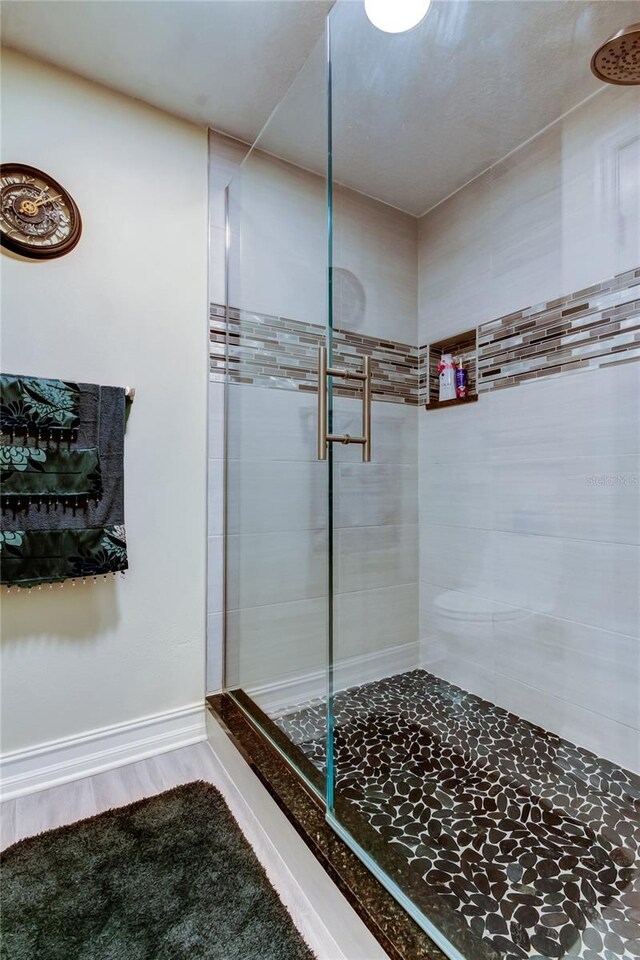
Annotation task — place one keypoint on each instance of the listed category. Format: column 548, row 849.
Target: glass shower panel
column 276, row 489
column 485, row 579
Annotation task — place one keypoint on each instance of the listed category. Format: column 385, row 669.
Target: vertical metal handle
column 366, row 411
column 322, row 403
column 323, row 437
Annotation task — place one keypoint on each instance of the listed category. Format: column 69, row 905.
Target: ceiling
column 415, row 115
column 224, row 63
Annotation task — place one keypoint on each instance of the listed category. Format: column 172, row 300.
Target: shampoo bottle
column 446, row 378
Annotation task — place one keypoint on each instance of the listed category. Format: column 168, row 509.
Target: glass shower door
column 374, row 495
column 484, row 735
column 276, row 488
column 433, row 614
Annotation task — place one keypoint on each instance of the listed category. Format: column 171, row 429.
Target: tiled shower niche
column 462, row 346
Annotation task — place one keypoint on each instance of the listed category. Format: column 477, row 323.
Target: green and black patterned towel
column 43, row 409
column 61, row 480
column 43, row 476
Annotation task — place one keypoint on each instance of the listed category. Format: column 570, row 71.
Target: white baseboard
column 50, row 764
column 277, row 697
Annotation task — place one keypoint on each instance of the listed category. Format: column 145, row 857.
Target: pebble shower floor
column 534, row 841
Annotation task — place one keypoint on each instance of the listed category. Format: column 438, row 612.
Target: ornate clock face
column 38, row 218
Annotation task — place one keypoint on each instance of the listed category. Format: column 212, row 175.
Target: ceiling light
column 396, row 16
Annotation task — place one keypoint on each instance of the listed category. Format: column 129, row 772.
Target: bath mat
column 167, row 878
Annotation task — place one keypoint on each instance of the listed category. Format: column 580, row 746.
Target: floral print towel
column 32, row 557
column 43, row 409
column 42, row 476
column 61, row 475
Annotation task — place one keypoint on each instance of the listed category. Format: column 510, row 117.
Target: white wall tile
column 278, row 496
column 600, row 188
column 275, row 567
column 215, row 566
column 525, row 213
column 587, row 498
column 594, row 669
column 454, row 264
column 458, row 434
column 585, row 581
column 370, row 620
column 276, row 642
column 214, row 652
column 458, row 494
column 457, row 624
column 370, row 557
column 553, row 672
column 375, row 267
column 215, row 443
column 559, row 214
column 280, row 266
column 394, row 431
column 371, row 494
column 606, row 738
column 590, row 412
column 215, row 497
column 269, row 424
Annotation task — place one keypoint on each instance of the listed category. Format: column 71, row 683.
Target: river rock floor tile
column 533, row 840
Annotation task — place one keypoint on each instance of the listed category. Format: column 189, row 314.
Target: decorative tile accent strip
column 595, row 327
column 277, row 352
column 532, row 841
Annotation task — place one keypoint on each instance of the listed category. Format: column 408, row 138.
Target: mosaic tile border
column 282, row 353
column 531, row 841
column 595, row 327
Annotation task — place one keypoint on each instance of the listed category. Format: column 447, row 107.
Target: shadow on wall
column 349, row 300
column 68, row 613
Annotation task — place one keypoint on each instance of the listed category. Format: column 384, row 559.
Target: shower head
column 618, row 60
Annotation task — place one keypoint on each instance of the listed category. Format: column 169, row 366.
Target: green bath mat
column 167, row 878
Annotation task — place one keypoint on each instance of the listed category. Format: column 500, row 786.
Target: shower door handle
column 324, row 372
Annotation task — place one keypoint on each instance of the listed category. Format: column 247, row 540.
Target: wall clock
column 38, row 218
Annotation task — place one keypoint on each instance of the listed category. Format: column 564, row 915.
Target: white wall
column 128, row 306
column 530, row 572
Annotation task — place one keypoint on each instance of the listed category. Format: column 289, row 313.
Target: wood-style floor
column 36, row 812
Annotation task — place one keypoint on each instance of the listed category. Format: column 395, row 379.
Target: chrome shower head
column 618, row 60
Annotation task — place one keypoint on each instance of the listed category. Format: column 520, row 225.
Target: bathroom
column 419, row 475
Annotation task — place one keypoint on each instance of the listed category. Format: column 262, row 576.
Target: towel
column 65, row 520
column 41, row 476
column 44, row 409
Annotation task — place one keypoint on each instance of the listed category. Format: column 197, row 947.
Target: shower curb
column 388, row 922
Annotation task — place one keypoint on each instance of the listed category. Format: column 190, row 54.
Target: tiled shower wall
column 529, row 499
column 225, row 156
column 277, row 500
